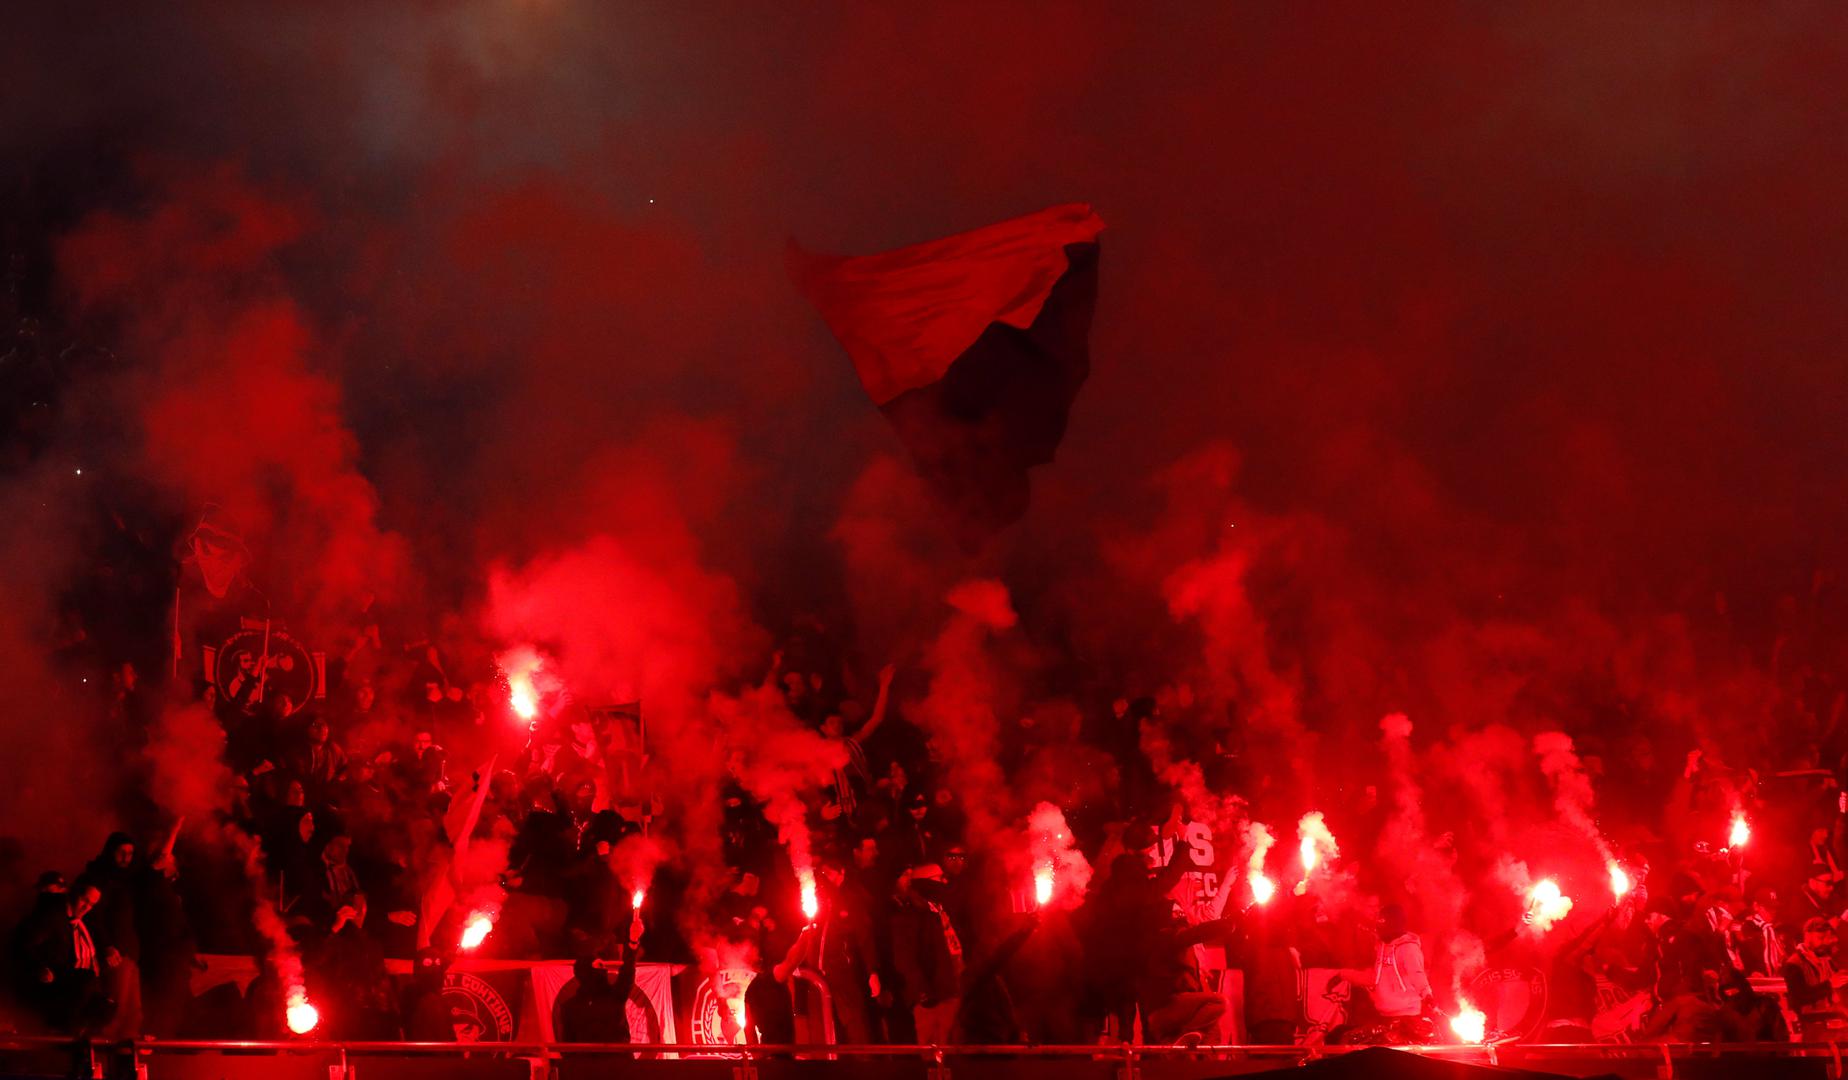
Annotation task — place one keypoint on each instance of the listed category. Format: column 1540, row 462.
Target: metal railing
column 1130, row 1058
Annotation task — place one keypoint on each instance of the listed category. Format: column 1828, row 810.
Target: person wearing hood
column 594, row 1006
column 426, row 1014
column 168, row 946
column 115, row 872
column 1397, row 982
column 928, row 954
column 65, row 962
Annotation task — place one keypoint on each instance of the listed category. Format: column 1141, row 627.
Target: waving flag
column 974, row 347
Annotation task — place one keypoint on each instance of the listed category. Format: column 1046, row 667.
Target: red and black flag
column 974, row 347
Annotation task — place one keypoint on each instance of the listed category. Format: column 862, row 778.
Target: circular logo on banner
column 1513, row 999
column 477, row 1012
column 718, row 1007
column 288, row 669
column 644, row 1022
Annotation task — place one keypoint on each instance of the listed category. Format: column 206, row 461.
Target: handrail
column 1123, row 1051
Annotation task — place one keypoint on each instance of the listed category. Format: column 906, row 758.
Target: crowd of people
column 346, row 824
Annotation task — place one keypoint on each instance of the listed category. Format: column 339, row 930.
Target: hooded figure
column 115, row 872
column 426, row 1014
column 594, row 1008
column 928, row 953
column 1397, row 983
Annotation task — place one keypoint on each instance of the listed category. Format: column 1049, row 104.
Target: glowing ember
column 1469, row 1024
column 476, row 930
column 1741, row 833
column 1262, row 888
column 1042, row 886
column 635, row 900
column 1546, row 905
column 1620, row 880
column 302, row 1016
column 811, row 905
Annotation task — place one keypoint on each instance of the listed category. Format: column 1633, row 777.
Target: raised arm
column 879, row 705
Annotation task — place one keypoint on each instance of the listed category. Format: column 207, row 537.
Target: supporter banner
column 482, row 1004
column 651, row 1003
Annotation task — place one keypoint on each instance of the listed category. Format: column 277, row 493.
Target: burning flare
column 476, row 930
column 811, row 905
column 1259, row 837
column 523, row 666
column 302, row 1016
column 1042, row 886
column 636, row 898
column 1318, row 846
column 1741, row 833
column 1469, row 1024
column 520, row 695
column 1546, row 905
column 1620, row 880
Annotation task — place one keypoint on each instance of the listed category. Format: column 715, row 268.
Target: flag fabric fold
column 974, row 346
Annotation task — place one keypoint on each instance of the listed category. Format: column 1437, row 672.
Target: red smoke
column 1522, row 326
column 960, row 711
column 231, row 395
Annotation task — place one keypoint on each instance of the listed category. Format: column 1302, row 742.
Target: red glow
column 476, row 930
column 635, row 900
column 811, row 904
column 1620, row 880
column 1262, row 888
column 1741, row 833
column 302, row 1016
column 1042, row 886
column 1469, row 1024
column 1546, row 905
